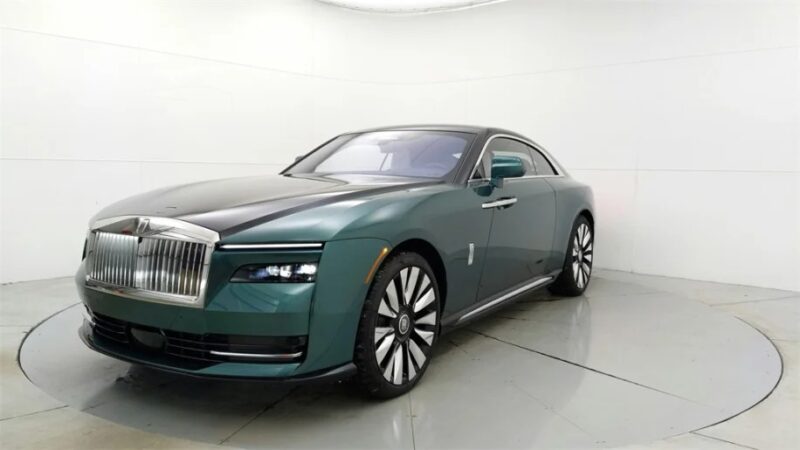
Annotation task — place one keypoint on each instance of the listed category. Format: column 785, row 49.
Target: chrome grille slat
column 197, row 272
column 170, row 265
column 163, row 268
column 184, row 257
column 166, row 267
column 192, row 274
column 112, row 268
column 173, row 265
column 155, row 274
column 153, row 264
column 119, row 251
column 147, row 275
column 159, row 271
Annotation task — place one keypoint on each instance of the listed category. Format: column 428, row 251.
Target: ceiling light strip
column 408, row 7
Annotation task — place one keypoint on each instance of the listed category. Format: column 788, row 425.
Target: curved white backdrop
column 683, row 115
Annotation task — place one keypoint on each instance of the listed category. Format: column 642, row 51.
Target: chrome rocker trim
column 508, row 296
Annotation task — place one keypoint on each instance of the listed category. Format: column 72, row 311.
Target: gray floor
column 648, row 362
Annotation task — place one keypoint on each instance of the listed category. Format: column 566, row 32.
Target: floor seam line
column 778, row 382
column 18, row 357
column 754, row 301
column 252, row 419
column 411, row 416
column 551, row 409
column 33, row 413
column 600, row 372
column 723, row 440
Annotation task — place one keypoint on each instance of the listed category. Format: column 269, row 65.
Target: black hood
column 230, row 205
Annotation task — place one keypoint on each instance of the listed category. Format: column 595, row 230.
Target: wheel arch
column 429, row 252
column 589, row 216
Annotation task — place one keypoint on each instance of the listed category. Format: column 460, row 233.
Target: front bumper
column 272, row 372
column 324, row 314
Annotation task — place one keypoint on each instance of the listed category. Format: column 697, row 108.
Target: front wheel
column 399, row 325
column 577, row 270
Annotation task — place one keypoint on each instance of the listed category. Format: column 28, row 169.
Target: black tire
column 577, row 270
column 410, row 339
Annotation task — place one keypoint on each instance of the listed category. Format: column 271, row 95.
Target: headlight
column 276, row 273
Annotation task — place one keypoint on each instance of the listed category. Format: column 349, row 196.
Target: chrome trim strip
column 533, row 176
column 287, row 246
column 150, row 296
column 471, row 256
column 165, row 227
column 550, row 159
column 505, row 297
column 499, row 203
column 274, row 356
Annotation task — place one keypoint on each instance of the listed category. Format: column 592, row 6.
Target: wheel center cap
column 403, row 324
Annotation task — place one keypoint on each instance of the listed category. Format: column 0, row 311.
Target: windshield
column 410, row 153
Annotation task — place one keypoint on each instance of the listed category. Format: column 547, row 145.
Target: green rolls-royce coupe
column 350, row 262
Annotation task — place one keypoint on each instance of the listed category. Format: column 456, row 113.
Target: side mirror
column 506, row 167
column 298, row 158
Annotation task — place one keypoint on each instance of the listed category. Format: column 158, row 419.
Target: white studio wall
column 683, row 115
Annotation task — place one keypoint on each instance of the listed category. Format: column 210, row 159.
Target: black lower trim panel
column 166, row 363
column 203, row 349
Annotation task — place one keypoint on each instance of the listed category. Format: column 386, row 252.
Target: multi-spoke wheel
column 398, row 326
column 578, row 262
column 582, row 255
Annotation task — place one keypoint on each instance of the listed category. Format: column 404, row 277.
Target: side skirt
column 496, row 301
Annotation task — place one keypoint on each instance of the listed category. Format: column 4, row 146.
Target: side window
column 510, row 147
column 543, row 166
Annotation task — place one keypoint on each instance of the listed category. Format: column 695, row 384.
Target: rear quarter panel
column 572, row 198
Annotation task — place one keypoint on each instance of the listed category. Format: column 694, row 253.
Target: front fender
column 339, row 295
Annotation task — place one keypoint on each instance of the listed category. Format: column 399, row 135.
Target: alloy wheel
column 406, row 325
column 582, row 255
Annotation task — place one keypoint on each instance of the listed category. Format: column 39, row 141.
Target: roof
column 431, row 127
column 475, row 129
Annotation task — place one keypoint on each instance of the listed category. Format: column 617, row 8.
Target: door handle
column 504, row 202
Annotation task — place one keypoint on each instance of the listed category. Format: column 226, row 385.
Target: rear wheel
column 577, row 271
column 399, row 325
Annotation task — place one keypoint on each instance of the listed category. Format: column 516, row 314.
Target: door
column 521, row 234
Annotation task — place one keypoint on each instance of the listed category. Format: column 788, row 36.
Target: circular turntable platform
column 621, row 365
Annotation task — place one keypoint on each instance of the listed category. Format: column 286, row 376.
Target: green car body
column 478, row 254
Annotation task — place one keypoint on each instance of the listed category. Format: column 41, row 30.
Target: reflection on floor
column 639, row 360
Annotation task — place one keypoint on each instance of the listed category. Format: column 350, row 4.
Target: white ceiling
column 408, row 6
